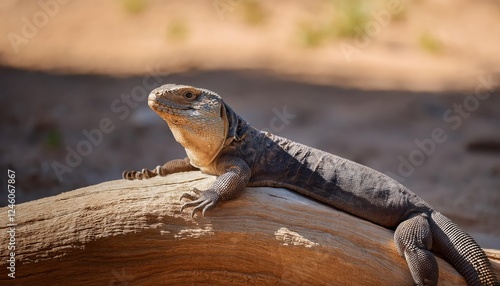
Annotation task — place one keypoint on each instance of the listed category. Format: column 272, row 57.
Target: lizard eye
column 188, row 95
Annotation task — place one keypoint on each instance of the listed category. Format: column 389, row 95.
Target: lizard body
column 220, row 143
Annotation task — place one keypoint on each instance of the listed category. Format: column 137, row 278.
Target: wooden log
column 132, row 233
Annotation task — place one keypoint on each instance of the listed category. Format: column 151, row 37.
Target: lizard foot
column 143, row 174
column 204, row 201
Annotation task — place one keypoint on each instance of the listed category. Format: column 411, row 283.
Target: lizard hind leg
column 413, row 240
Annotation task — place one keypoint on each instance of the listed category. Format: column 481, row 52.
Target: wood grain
column 132, row 233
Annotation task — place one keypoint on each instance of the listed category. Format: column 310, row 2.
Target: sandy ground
column 423, row 45
column 394, row 105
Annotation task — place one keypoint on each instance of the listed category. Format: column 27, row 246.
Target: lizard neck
column 202, row 150
column 201, row 139
column 237, row 127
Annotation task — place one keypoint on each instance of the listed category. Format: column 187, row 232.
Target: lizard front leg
column 174, row 166
column 235, row 176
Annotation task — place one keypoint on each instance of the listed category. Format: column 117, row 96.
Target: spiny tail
column 461, row 251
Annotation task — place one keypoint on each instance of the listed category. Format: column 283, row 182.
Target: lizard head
column 197, row 118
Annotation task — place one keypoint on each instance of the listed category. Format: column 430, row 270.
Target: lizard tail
column 461, row 251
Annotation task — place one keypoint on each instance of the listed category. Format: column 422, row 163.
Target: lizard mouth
column 160, row 104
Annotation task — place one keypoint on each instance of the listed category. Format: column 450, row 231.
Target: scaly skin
column 218, row 142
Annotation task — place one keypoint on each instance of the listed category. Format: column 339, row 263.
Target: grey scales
column 219, row 142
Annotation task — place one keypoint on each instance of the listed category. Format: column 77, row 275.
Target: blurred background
column 410, row 88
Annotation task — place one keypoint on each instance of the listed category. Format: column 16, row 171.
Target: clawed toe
column 128, row 175
column 143, row 174
column 192, row 204
column 139, row 175
column 188, row 196
column 159, row 171
column 205, row 201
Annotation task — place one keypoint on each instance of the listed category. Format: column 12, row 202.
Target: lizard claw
column 143, row 174
column 188, row 196
column 205, row 201
column 191, row 197
column 128, row 175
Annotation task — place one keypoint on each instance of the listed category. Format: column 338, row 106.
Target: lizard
column 220, row 143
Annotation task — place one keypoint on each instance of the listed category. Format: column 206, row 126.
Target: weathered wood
column 132, row 233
